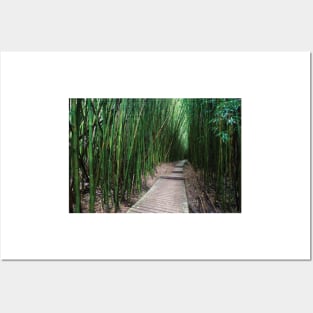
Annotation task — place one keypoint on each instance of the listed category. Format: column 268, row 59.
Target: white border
column 275, row 92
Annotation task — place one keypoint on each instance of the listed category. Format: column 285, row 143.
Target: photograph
column 154, row 155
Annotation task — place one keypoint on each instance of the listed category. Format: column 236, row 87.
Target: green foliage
column 226, row 113
column 115, row 143
column 215, row 147
column 121, row 141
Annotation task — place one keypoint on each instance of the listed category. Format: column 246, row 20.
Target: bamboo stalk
column 75, row 149
column 90, row 157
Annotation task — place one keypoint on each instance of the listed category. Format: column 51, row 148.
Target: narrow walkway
column 167, row 195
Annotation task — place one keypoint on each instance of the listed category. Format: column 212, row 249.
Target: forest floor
column 199, row 201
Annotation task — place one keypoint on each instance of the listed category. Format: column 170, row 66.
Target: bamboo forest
column 155, row 155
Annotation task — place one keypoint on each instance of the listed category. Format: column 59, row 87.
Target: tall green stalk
column 75, row 151
column 90, row 158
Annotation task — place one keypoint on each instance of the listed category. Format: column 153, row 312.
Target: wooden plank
column 173, row 177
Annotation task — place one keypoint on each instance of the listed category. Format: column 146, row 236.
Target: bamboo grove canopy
column 114, row 143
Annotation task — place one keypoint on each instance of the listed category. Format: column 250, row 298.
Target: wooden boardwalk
column 167, row 195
